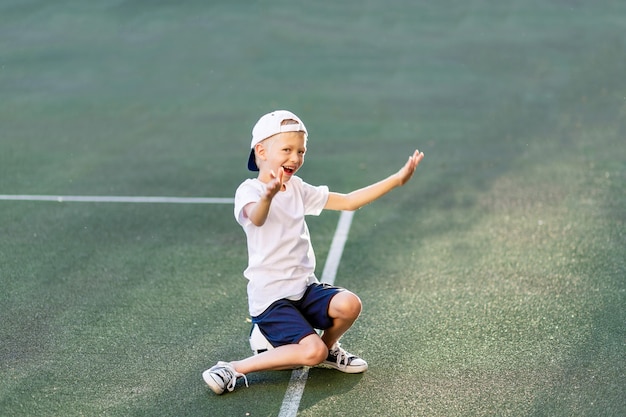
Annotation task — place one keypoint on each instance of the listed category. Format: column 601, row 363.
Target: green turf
column 493, row 284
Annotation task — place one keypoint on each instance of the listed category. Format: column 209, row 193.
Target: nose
column 295, row 157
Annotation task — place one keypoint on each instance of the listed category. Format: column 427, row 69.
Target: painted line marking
column 295, row 389
column 336, row 247
column 118, row 199
column 293, row 395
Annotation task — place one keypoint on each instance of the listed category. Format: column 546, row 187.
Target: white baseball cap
column 270, row 125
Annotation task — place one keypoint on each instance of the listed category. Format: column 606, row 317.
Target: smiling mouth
column 289, row 170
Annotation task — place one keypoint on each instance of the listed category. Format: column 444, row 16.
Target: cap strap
column 294, row 127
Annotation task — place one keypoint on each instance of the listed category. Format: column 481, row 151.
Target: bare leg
column 309, row 352
column 344, row 308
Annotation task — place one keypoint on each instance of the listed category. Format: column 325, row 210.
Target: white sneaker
column 222, row 377
column 339, row 359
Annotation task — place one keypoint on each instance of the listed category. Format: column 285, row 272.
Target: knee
column 345, row 305
column 314, row 353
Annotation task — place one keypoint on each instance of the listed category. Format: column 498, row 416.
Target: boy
column 286, row 301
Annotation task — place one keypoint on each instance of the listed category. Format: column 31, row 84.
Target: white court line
column 336, row 247
column 118, row 199
column 291, row 401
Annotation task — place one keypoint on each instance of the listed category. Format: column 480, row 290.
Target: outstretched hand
column 275, row 184
column 406, row 172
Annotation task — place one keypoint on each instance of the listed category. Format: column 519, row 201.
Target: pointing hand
column 275, row 185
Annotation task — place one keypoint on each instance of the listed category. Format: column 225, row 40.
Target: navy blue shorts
column 287, row 322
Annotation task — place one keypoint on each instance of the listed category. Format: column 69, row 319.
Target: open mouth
column 289, row 170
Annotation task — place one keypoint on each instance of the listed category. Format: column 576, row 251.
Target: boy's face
column 284, row 150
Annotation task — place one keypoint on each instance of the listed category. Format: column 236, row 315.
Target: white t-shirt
column 281, row 262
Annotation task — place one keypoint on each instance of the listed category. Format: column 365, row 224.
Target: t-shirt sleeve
column 315, row 198
column 246, row 193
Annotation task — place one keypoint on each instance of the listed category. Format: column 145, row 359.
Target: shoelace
column 342, row 355
column 228, row 373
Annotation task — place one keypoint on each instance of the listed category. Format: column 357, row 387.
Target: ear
column 259, row 150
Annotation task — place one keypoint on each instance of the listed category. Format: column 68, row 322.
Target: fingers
column 418, row 156
column 276, row 182
column 409, row 168
column 415, row 159
column 281, row 172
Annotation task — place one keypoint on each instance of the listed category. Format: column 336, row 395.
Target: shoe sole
column 352, row 369
column 212, row 383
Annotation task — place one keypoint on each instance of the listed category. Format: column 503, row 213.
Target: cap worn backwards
column 269, row 125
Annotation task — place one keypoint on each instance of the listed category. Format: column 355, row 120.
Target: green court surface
column 493, row 284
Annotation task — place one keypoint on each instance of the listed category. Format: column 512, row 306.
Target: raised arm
column 358, row 198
